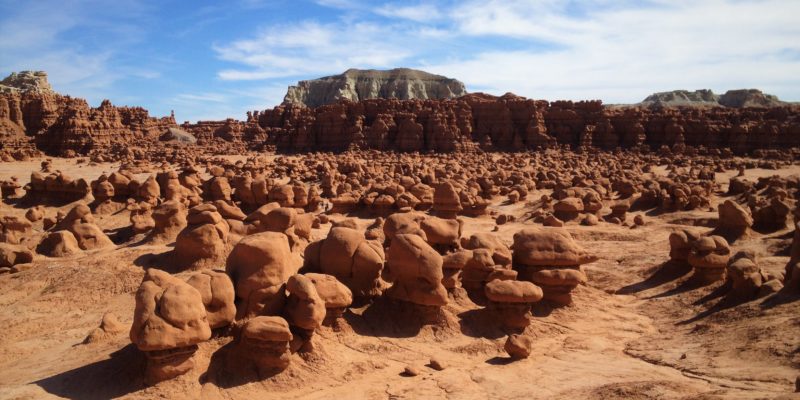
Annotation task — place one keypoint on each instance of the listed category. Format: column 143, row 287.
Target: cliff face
column 739, row 98
column 514, row 123
column 26, row 81
column 33, row 117
column 36, row 120
column 356, row 85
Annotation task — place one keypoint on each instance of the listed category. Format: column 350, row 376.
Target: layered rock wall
column 356, row 85
column 514, row 123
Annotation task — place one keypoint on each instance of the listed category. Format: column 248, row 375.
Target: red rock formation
column 62, row 125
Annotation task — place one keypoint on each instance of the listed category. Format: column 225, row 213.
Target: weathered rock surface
column 355, row 85
column 739, row 98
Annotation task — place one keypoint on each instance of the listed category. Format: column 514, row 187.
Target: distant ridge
column 356, row 84
column 739, row 98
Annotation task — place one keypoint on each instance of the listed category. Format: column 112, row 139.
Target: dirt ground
column 638, row 330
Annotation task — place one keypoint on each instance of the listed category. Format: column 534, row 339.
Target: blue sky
column 212, row 60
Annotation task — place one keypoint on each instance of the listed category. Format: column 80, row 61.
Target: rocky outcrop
column 26, row 81
column 740, row 98
column 34, row 121
column 749, row 98
column 515, row 123
column 698, row 98
column 33, row 116
column 356, row 85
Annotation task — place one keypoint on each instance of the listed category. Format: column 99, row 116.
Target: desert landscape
column 385, row 234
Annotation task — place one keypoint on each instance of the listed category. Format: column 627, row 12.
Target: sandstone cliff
column 514, row 123
column 356, row 85
column 26, row 81
column 35, row 118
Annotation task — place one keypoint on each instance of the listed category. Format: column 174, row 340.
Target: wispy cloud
column 46, row 35
column 420, row 13
column 619, row 51
column 310, row 48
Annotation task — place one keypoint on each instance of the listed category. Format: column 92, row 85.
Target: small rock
column 411, row 370
column 638, row 220
column 518, row 346
column 437, row 364
column 551, row 220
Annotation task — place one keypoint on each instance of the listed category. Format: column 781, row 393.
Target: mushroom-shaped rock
column 416, row 270
column 259, row 266
column 511, row 301
column 442, row 234
column 265, row 341
column 351, row 258
column 283, row 195
column 548, row 246
column 58, row 244
column 168, row 323
column 398, row 223
column 336, row 295
column 446, row 201
column 680, row 245
column 478, row 266
column 229, row 210
column 202, row 243
column 141, row 217
column 13, row 254
column 745, row 276
column 80, row 222
column 305, row 309
column 149, row 191
column 453, row 265
column 709, row 258
column 551, row 259
column 568, row 209
column 734, row 220
column 216, row 290
column 169, row 219
column 498, row 251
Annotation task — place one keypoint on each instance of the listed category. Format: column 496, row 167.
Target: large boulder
column 259, row 266
column 551, row 259
column 416, row 270
column 347, row 255
column 168, row 323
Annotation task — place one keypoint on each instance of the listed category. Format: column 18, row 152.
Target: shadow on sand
column 665, row 273
column 117, row 376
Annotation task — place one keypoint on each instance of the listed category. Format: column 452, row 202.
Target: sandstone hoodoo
column 551, row 259
column 168, row 323
column 333, row 251
column 416, row 118
column 356, row 84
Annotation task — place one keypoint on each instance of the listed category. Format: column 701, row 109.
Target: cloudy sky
column 208, row 60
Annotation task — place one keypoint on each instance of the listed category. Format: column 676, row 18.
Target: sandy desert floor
column 638, row 329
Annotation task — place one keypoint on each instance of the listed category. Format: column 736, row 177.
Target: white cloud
column 37, row 36
column 420, row 13
column 623, row 54
column 310, row 48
